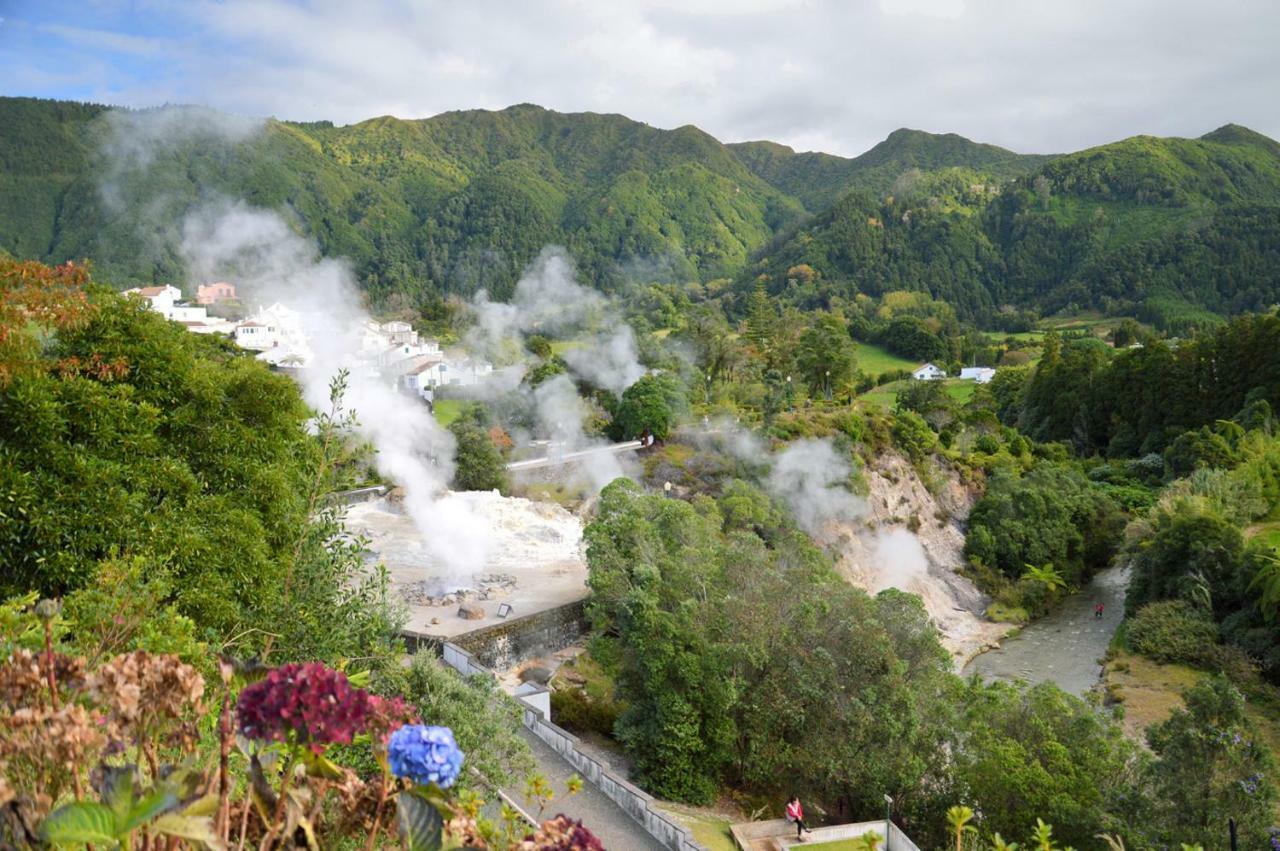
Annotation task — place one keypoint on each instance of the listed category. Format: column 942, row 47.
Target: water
column 1063, row 647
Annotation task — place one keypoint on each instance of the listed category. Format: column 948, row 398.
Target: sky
column 1038, row 76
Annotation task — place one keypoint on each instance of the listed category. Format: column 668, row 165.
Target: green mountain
column 464, row 200
column 818, row 180
column 1167, row 228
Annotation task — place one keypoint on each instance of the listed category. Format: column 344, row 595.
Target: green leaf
column 205, row 806
column 421, row 826
column 117, row 787
column 193, row 828
column 320, row 766
column 158, row 802
column 80, row 823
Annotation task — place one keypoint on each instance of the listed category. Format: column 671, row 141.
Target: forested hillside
column 1175, row 231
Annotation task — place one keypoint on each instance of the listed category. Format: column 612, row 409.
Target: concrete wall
column 633, row 801
column 503, row 645
column 358, row 495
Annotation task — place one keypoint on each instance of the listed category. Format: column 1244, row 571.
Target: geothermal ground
column 536, row 561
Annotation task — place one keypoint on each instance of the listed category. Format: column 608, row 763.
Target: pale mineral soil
column 536, row 560
column 912, row 538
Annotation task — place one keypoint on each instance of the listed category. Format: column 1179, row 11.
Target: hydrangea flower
column 386, row 715
column 425, row 755
column 561, row 834
column 304, row 703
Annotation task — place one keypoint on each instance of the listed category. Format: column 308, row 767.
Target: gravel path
column 606, row 819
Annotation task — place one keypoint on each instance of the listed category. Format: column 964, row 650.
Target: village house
column 254, row 335
column 161, row 299
column 928, row 372
column 213, row 293
column 980, row 374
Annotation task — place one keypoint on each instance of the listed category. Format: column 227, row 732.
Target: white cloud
column 837, row 75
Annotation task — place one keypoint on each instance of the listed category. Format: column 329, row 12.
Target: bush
column 577, row 712
column 1173, row 631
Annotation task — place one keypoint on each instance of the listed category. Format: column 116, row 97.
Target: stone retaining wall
column 503, row 645
column 636, row 803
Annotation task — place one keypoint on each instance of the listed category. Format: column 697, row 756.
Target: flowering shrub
column 303, row 703
column 425, row 755
column 69, row 729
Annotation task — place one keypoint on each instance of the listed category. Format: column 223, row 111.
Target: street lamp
column 888, row 823
column 708, row 388
column 789, row 393
column 828, row 385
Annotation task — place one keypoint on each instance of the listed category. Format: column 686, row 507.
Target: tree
column 1211, row 766
column 826, row 355
column 1043, row 751
column 479, row 464
column 655, row 402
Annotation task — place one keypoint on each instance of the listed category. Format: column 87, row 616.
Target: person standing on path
column 795, row 813
column 1097, row 610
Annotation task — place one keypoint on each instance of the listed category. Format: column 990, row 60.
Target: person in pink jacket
column 795, row 813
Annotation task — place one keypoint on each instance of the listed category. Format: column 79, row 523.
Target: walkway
column 606, row 819
column 571, row 457
column 1064, row 646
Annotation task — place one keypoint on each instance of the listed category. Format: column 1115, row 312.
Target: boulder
column 471, row 612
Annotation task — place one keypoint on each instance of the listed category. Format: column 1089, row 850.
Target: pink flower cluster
column 304, row 703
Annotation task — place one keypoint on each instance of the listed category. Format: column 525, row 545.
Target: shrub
column 1173, row 631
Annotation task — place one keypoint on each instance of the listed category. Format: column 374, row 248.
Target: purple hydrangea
column 425, row 755
column 307, row 703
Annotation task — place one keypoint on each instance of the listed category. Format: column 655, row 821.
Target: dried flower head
column 140, row 689
column 303, row 703
column 386, row 715
column 43, row 736
column 561, row 834
column 24, row 677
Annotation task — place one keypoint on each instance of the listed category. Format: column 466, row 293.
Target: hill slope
column 1157, row 226
column 464, row 200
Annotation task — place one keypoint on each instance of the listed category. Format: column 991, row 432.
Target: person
column 1097, row 610
column 795, row 813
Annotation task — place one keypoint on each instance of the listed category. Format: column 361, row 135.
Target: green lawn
column 874, row 360
column 840, row 845
column 709, row 829
column 447, row 410
column 886, row 395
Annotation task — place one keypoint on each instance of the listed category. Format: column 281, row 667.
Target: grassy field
column 447, row 410
column 886, row 395
column 874, row 360
column 1150, row 691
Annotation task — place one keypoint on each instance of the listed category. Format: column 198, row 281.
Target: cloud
column 1033, row 76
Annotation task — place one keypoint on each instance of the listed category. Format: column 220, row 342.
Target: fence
column 637, row 804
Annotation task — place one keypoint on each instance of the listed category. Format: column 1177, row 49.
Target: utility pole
column 888, row 820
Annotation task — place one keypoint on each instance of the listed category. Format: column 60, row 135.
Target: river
column 1064, row 646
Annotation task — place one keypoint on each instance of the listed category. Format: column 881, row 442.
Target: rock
column 536, row 674
column 435, row 621
column 471, row 612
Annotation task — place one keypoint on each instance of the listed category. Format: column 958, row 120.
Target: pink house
column 214, row 293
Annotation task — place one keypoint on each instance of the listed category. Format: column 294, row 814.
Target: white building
column 161, row 299
column 928, row 372
column 980, row 374
column 255, row 335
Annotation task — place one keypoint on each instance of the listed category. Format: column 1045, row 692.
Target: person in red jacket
column 795, row 813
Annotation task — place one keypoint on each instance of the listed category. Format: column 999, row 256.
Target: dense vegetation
column 1174, row 230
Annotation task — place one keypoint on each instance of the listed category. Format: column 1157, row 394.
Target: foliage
column 1172, row 631
column 1050, row 516
column 654, row 403
column 1209, row 766
column 479, row 463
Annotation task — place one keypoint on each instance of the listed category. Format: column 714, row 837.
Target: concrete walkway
column 605, row 819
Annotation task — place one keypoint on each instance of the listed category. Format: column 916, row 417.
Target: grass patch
column 447, row 410
column 886, row 395
column 1267, row 534
column 1149, row 691
column 839, row 845
column 875, row 360
column 1007, row 614
column 709, row 829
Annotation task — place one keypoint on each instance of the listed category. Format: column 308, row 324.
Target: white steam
column 812, row 479
column 271, row 263
column 900, row 560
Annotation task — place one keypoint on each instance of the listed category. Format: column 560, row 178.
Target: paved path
column 1064, row 646
column 571, row 457
column 606, row 819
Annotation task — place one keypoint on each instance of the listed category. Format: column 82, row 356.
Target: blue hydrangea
column 425, row 754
